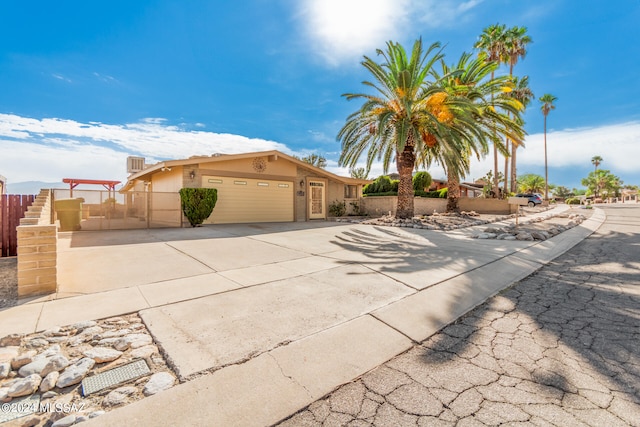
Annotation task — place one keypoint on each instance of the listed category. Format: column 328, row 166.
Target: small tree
column 358, row 173
column 198, row 203
column 421, row 180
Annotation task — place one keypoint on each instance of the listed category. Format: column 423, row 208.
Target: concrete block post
column 37, row 259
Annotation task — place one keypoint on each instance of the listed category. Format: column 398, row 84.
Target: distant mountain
column 32, row 187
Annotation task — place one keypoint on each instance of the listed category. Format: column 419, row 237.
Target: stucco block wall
column 486, row 206
column 378, row 206
column 382, row 205
column 37, row 249
column 37, row 258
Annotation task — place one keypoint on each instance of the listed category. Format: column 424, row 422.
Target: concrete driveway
column 294, row 309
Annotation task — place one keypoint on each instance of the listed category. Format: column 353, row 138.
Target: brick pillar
column 37, row 257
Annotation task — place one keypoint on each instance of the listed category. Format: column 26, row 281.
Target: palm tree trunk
column 506, row 169
column 514, row 175
column 495, row 155
column 405, row 162
column 546, row 174
column 453, row 191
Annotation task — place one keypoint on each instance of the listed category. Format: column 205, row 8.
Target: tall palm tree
column 547, row 105
column 596, row 161
column 479, row 116
column 492, row 43
column 397, row 120
column 516, row 41
column 522, row 93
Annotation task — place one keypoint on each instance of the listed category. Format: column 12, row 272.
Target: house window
column 240, row 182
column 215, row 181
column 283, row 185
column 263, row 184
column 350, row 191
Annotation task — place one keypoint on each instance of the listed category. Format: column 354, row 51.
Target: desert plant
column 443, row 193
column 355, row 209
column 198, row 203
column 337, row 208
column 572, row 201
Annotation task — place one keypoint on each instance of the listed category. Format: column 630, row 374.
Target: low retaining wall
column 37, row 249
column 381, row 205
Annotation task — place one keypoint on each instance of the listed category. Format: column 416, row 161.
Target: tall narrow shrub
column 198, row 203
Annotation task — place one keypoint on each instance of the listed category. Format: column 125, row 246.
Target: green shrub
column 387, row 193
column 572, row 201
column 429, row 194
column 421, row 180
column 198, row 203
column 394, row 185
column 443, row 192
column 337, row 208
column 382, row 184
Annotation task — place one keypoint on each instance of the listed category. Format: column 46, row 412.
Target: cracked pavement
column 559, row 348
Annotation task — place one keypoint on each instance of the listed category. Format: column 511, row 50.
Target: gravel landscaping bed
column 52, row 365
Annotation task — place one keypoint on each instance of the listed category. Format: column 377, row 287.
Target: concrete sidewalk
column 282, row 313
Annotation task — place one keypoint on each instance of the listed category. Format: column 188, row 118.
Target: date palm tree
column 516, row 41
column 596, row 161
column 395, row 121
column 480, row 118
column 492, row 44
column 547, row 101
column 522, row 93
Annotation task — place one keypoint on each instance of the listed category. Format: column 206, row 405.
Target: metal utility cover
column 21, row 407
column 115, row 376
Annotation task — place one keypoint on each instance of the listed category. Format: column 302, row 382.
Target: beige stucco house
column 267, row 186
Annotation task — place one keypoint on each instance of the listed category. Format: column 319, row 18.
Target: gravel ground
column 8, row 282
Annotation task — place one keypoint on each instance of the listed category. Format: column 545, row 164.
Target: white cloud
column 572, row 149
column 344, row 30
column 52, row 149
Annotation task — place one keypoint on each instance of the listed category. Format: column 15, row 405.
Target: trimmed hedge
column 198, row 203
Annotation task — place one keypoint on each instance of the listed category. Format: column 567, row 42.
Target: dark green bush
column 382, row 184
column 387, row 193
column 421, row 180
column 198, row 203
column 429, row 194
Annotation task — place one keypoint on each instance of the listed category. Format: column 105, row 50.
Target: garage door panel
column 242, row 200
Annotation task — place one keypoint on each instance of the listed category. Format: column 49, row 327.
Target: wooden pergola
column 74, row 182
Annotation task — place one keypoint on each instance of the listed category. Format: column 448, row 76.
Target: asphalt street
column 559, row 348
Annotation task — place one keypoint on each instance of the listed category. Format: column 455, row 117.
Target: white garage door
column 242, row 200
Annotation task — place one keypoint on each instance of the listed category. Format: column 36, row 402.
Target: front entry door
column 316, row 200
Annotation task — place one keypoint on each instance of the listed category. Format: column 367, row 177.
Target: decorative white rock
column 23, row 359
column 102, row 354
column 56, row 364
column 144, row 352
column 49, row 381
column 132, row 341
column 25, row 386
column 75, row 373
column 5, row 368
column 67, row 421
column 118, row 396
column 158, row 382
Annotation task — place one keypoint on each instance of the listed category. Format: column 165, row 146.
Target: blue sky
column 86, row 83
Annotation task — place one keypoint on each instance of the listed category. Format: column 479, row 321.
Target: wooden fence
column 12, row 208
